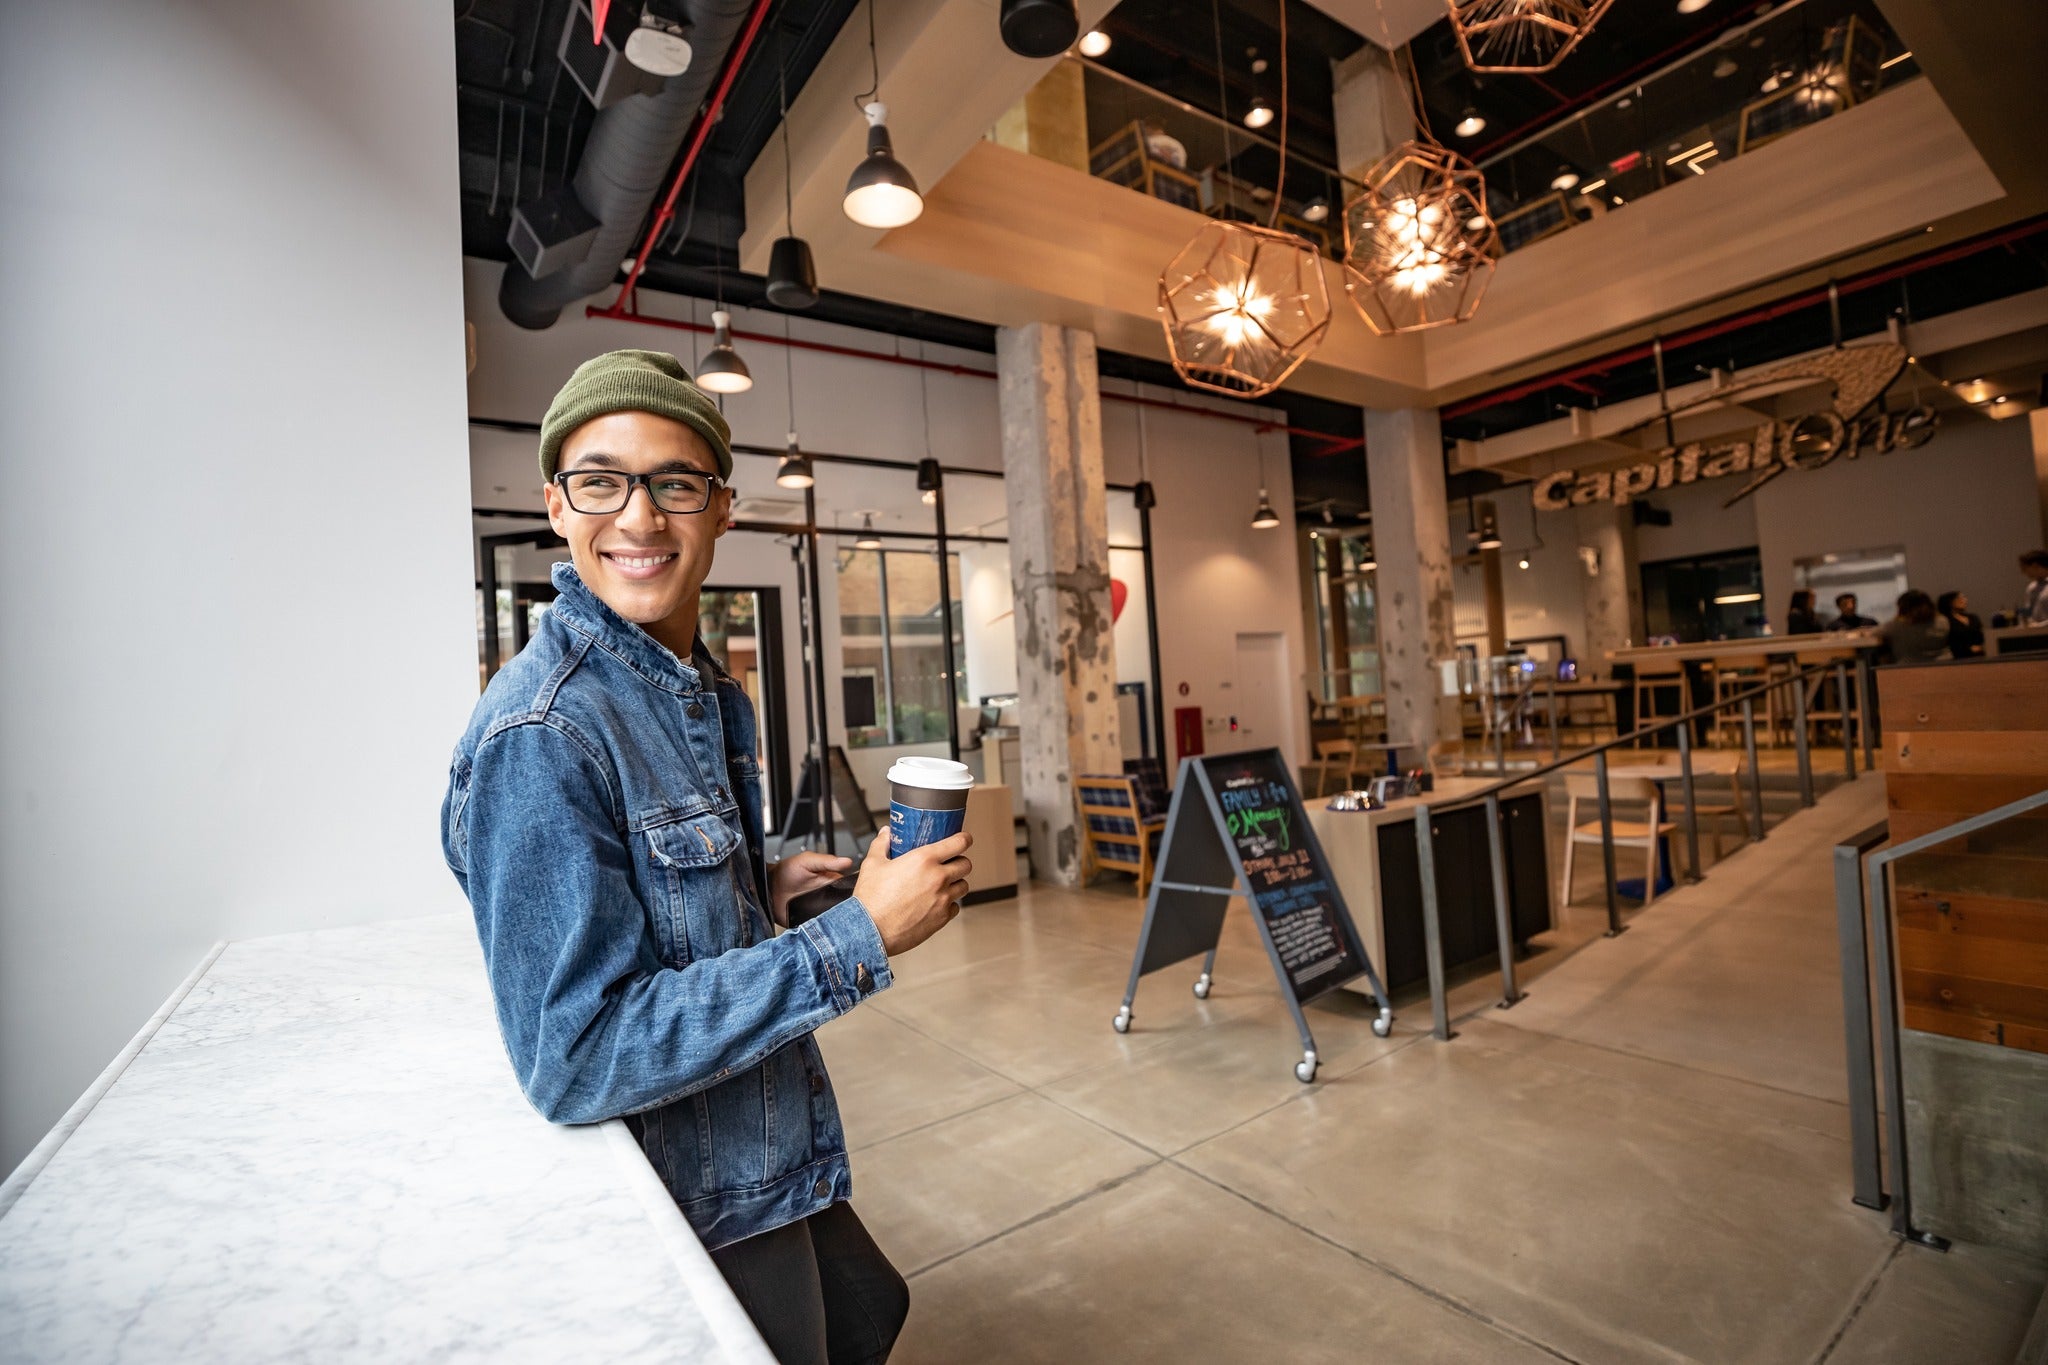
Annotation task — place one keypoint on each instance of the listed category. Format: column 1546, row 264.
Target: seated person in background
column 1801, row 618
column 1918, row 634
column 2034, row 564
column 1965, row 631
column 1846, row 617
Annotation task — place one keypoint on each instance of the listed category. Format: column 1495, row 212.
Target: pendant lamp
column 722, row 370
column 1243, row 305
column 792, row 275
column 1265, row 518
column 1522, row 35
column 1039, row 28
column 1419, row 245
column 867, row 539
column 795, row 469
column 881, row 193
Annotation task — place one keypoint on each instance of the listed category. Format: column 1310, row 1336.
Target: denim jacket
column 604, row 818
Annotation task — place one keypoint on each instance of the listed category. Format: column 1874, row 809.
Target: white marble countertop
column 316, row 1151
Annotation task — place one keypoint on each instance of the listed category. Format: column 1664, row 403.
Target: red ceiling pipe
column 1707, row 331
column 618, row 314
column 702, row 133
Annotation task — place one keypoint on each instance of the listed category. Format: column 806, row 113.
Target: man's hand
column 913, row 897
column 795, row 875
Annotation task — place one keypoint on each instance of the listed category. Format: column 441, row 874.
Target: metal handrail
column 1876, row 891
column 1489, row 795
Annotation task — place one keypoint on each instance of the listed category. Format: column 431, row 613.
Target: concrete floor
column 1646, row 1160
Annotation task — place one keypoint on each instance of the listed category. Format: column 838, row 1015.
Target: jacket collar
column 581, row 610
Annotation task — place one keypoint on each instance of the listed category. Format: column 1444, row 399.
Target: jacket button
column 695, row 711
column 817, row 1084
column 822, row 1188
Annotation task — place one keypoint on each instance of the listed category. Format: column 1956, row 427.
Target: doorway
column 1265, row 694
column 1707, row 597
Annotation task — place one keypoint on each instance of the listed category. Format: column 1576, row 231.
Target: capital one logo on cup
column 927, row 801
column 1858, row 376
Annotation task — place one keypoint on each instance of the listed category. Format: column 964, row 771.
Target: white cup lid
column 939, row 774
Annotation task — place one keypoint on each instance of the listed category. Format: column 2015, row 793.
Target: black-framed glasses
column 599, row 492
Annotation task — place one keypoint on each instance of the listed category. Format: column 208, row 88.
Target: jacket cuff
column 849, row 948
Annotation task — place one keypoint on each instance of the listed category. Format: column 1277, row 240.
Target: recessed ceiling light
column 1565, row 178
column 1472, row 125
column 1094, row 43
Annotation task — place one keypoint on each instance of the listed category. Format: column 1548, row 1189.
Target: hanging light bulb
column 1472, row 124
column 1265, row 518
column 722, row 370
column 795, row 469
column 881, row 193
column 867, row 539
column 1259, row 113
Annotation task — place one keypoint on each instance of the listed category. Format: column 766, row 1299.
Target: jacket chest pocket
column 698, row 897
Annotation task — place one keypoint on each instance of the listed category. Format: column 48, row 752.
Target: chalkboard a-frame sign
column 1237, row 827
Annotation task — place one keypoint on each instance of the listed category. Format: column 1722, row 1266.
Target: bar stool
column 1731, row 678
column 1651, row 675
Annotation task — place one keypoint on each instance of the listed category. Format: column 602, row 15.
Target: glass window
column 1347, row 617
column 892, row 652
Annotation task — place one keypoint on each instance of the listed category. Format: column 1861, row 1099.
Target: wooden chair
column 1731, row 678
column 1119, row 837
column 1651, row 675
column 1335, row 758
column 1645, row 834
column 1705, row 766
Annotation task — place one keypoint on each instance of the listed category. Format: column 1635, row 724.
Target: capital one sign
column 1846, row 429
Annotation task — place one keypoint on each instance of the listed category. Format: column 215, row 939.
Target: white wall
column 1547, row 598
column 230, row 363
column 1216, row 575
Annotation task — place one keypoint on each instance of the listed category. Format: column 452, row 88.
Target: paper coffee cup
column 927, row 801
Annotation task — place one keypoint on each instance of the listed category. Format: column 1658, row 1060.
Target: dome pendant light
column 1259, row 114
column 795, row 469
column 1039, row 28
column 881, row 193
column 1265, row 518
column 722, row 370
column 867, row 539
column 792, row 275
column 660, row 45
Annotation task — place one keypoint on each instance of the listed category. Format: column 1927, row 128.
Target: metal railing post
column 1866, row 709
column 1852, row 936
column 1614, row 925
column 1432, row 932
column 1497, row 859
column 1877, row 885
column 1494, row 718
column 1799, row 742
column 1842, row 712
column 1692, row 805
column 1756, row 774
column 1550, row 687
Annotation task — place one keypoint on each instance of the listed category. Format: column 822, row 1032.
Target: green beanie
column 633, row 381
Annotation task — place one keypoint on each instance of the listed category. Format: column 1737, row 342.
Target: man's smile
column 642, row 564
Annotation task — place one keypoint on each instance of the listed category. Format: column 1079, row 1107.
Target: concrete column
column 1614, row 599
column 1371, row 108
column 1051, row 411
column 1404, row 462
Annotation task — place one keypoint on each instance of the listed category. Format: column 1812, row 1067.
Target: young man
column 604, row 818
column 1846, row 617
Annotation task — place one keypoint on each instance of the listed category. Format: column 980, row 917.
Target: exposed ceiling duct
column 577, row 236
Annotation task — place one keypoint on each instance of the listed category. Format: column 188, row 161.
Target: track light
column 1039, row 28
column 1259, row 114
column 722, row 370
column 792, row 277
column 881, row 193
column 1265, row 518
column 795, row 469
column 867, row 539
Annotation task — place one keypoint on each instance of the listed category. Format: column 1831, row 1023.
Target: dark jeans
column 820, row 1290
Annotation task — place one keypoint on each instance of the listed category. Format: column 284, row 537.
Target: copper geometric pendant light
column 1522, row 35
column 1244, row 305
column 1419, row 245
